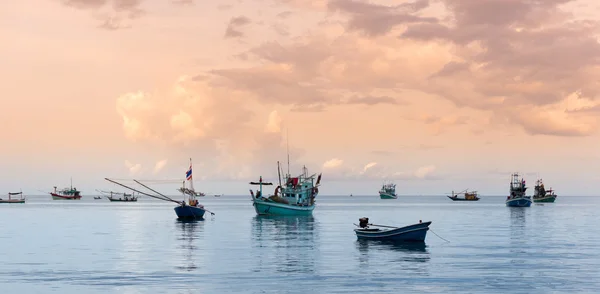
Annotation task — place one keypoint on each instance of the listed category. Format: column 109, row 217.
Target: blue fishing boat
column 192, row 210
column 517, row 196
column 296, row 197
column 412, row 233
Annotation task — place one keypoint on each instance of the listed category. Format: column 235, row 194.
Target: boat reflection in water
column 190, row 232
column 288, row 242
column 416, row 251
column 518, row 244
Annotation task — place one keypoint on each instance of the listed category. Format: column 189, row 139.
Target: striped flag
column 188, row 174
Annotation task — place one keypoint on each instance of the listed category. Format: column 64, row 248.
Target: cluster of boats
column 296, row 196
column 517, row 196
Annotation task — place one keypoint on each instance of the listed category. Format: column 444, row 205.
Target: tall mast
column 191, row 177
column 278, row 174
column 71, row 183
column 287, row 137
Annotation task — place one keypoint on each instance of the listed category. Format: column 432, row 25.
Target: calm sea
column 94, row 246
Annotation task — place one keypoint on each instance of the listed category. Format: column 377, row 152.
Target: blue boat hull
column 518, row 202
column 412, row 233
column 189, row 212
column 273, row 208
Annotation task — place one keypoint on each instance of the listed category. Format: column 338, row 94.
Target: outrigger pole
column 166, row 196
column 140, row 192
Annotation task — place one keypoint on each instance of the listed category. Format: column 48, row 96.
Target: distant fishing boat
column 97, row 197
column 388, row 191
column 184, row 211
column 411, row 233
column 468, row 196
column 66, row 193
column 123, row 197
column 517, row 196
column 540, row 194
column 21, row 199
column 296, row 197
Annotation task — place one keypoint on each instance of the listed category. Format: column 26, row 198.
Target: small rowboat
column 411, row 233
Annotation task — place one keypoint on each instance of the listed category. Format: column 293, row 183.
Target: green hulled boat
column 388, row 191
column 294, row 197
column 540, row 194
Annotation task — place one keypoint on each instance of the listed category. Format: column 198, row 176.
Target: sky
column 434, row 95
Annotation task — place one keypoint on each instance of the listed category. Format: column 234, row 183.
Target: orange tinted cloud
column 406, row 90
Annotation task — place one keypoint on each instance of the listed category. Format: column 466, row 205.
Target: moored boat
column 192, row 210
column 411, row 233
column 540, row 194
column 66, row 193
column 184, row 211
column 517, row 196
column 123, row 197
column 468, row 196
column 388, row 191
column 21, row 199
column 296, row 197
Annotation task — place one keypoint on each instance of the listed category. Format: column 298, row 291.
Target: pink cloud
column 235, row 25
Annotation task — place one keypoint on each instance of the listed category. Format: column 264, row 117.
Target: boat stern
column 186, row 212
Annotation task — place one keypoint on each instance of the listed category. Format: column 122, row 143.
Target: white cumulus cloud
column 274, row 123
column 134, row 168
column 160, row 165
column 424, row 171
column 333, row 163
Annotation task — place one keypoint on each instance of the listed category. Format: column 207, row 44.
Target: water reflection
column 409, row 251
column 129, row 244
column 186, row 240
column 517, row 223
column 285, row 242
column 518, row 243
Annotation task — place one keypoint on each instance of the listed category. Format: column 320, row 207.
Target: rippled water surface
column 94, row 246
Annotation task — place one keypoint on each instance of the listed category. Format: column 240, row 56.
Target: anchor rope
column 439, row 236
